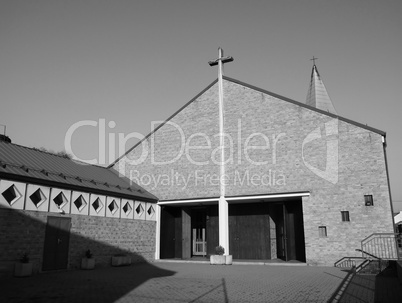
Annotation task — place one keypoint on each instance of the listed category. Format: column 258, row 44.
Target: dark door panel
column 249, row 231
column 171, row 235
column 57, row 238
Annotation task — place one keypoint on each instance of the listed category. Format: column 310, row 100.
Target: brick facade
column 129, row 230
column 272, row 146
column 24, row 231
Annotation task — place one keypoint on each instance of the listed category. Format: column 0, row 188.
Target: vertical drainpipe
column 158, row 231
column 384, row 145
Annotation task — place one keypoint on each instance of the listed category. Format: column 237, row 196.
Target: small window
column 368, row 200
column 345, row 216
column 322, row 231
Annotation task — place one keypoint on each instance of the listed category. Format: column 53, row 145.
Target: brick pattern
column 179, row 179
column 24, row 231
column 264, row 129
column 23, row 227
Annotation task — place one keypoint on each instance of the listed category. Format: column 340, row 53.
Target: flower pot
column 23, row 269
column 87, row 263
column 121, row 260
column 228, row 260
column 218, row 259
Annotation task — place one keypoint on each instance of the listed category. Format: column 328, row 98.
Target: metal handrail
column 348, row 259
column 379, row 234
column 365, row 252
column 381, row 245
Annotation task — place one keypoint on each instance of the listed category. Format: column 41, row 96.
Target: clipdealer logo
column 330, row 173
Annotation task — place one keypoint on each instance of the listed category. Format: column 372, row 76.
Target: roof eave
column 38, row 181
column 375, row 130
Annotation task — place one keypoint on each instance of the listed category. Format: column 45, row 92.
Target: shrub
column 219, row 250
column 25, row 258
column 88, row 254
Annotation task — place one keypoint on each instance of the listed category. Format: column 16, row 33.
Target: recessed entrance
column 199, row 236
column 188, row 231
column 261, row 230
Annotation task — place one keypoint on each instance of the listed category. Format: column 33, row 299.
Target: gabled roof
column 317, row 95
column 26, row 164
column 332, row 115
column 364, row 126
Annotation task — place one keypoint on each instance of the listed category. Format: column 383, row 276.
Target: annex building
column 264, row 176
column 55, row 209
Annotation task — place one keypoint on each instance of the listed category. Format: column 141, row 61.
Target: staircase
column 377, row 250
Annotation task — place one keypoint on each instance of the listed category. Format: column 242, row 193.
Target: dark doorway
column 212, row 231
column 288, row 218
column 57, row 237
column 249, row 231
column 199, row 232
column 171, row 233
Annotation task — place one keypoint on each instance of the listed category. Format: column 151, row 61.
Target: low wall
column 24, row 231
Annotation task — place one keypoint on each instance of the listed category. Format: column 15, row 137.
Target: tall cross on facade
column 314, row 58
column 220, row 61
column 223, row 207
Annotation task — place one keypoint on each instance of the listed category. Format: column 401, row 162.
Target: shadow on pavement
column 106, row 284
column 65, row 282
column 381, row 288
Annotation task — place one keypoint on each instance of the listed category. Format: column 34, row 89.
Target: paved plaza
column 190, row 282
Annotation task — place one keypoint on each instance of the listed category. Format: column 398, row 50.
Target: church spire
column 317, row 95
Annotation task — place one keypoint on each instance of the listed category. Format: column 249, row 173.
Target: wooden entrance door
column 249, row 231
column 57, row 237
column 171, row 233
column 294, row 231
column 288, row 218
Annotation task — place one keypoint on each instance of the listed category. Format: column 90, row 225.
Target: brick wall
column 273, row 146
column 24, row 231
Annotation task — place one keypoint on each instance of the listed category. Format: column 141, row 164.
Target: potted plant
column 218, row 258
column 88, row 262
column 24, row 267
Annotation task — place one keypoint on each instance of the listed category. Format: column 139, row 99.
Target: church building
column 265, row 177
column 262, row 175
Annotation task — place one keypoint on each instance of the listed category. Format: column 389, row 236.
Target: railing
column 381, row 246
column 362, row 265
column 349, row 262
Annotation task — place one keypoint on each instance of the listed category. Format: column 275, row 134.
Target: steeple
column 317, row 95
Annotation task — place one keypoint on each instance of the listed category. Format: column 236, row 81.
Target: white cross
column 220, row 61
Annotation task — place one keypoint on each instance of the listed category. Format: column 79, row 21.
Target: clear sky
column 133, row 62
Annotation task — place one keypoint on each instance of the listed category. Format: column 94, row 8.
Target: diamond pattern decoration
column 11, row 195
column 113, row 207
column 60, row 200
column 37, row 198
column 139, row 210
column 127, row 208
column 80, row 203
column 151, row 211
column 97, row 205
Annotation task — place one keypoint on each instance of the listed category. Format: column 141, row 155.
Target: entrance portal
column 188, row 231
